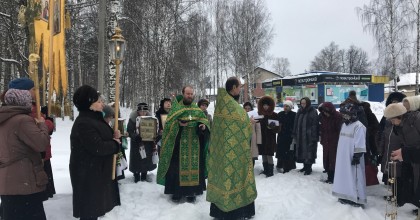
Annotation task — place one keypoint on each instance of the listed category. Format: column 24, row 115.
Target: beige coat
column 22, row 140
column 256, row 139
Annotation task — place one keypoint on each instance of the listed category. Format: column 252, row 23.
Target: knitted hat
column 142, row 107
column 17, row 97
column 288, row 103
column 203, row 102
column 84, row 97
column 21, row 83
column 108, row 111
column 393, row 110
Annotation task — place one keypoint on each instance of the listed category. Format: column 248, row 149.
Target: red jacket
column 50, row 126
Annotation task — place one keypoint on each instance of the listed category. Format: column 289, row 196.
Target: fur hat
column 288, row 103
column 394, row 110
column 142, row 106
column 203, row 102
column 22, row 84
column 414, row 102
column 17, row 97
column 84, row 97
column 266, row 100
column 108, row 111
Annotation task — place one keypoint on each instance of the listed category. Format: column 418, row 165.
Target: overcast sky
column 304, row 27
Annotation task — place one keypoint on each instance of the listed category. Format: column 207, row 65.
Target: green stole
column 231, row 181
column 189, row 146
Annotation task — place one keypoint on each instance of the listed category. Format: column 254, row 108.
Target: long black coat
column 284, row 139
column 92, row 149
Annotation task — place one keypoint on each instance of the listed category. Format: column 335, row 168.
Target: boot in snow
column 136, row 177
column 308, row 170
column 270, row 170
column 265, row 165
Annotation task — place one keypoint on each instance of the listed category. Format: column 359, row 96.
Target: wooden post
column 50, row 56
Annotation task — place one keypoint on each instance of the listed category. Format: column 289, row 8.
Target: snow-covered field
column 283, row 196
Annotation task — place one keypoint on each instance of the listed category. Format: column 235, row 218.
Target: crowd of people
column 194, row 151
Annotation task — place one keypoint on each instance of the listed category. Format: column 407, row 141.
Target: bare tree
column 248, row 36
column 408, row 63
column 386, row 20
column 414, row 18
column 356, row 61
column 329, row 59
column 282, row 66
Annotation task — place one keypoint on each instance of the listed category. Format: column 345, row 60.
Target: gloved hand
column 356, row 158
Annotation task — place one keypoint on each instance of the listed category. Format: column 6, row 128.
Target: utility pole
column 101, row 46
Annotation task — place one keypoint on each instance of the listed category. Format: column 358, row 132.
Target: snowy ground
column 283, row 196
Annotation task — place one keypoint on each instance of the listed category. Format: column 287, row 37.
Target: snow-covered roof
column 316, row 73
column 407, row 79
column 271, row 79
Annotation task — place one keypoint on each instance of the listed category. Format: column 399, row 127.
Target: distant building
column 323, row 86
column 260, row 75
column 406, row 84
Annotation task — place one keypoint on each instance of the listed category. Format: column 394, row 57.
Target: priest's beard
column 187, row 101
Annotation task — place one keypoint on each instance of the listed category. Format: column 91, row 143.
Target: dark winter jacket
column 329, row 130
column 409, row 129
column 91, row 160
column 268, row 133
column 391, row 140
column 137, row 164
column 372, row 130
column 22, row 140
column 305, row 134
column 159, row 112
column 284, row 138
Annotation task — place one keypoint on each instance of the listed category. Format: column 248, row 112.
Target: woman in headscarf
column 330, row 125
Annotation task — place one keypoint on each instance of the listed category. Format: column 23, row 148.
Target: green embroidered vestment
column 231, row 181
column 189, row 146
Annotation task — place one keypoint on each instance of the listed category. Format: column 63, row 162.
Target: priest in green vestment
column 231, row 183
column 182, row 159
